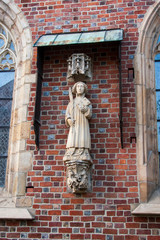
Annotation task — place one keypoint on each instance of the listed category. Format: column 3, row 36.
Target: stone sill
column 17, row 213
column 150, row 208
column 147, row 209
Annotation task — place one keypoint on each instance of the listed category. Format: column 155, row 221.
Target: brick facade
column 105, row 212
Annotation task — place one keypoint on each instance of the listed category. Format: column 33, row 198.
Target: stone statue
column 78, row 112
column 77, row 156
column 79, row 68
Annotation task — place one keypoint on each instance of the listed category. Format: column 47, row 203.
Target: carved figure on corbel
column 77, row 156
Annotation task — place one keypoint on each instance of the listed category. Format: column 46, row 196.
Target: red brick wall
column 105, row 213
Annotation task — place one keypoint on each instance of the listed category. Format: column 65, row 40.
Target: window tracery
column 7, row 67
column 147, row 141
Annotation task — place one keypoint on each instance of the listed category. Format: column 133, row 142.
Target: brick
column 105, row 213
column 132, row 225
column 153, row 225
column 54, row 212
column 45, row 218
column 131, row 237
column 34, row 235
column 119, row 238
column 66, row 218
column 77, row 201
column 98, row 212
column 13, row 235
column 23, row 229
column 118, row 219
column 76, row 224
column 44, row 229
column 84, row 207
column 110, row 231
column 67, row 207
column 123, row 207
column 87, row 219
column 55, row 236
column 96, row 236
column 65, row 230
column 143, row 231
column 153, row 237
column 77, row 236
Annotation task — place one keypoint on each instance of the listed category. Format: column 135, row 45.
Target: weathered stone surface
column 6, row 202
column 147, row 209
column 79, row 68
column 19, row 115
column 14, row 8
column 21, row 184
column 24, row 202
column 30, row 78
column 147, row 156
column 26, row 93
column 78, row 176
column 77, row 156
column 16, row 23
column 23, row 21
column 25, row 161
column 7, row 1
column 21, row 131
column 16, row 213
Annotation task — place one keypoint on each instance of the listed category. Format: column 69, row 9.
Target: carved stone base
column 74, row 154
column 78, row 162
column 78, row 176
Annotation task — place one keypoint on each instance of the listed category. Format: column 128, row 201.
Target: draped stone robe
column 79, row 133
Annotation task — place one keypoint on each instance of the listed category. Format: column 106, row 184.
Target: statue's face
column 80, row 88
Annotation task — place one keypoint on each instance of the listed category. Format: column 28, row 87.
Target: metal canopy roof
column 79, row 38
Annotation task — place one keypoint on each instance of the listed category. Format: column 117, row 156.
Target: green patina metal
column 68, row 39
column 79, row 38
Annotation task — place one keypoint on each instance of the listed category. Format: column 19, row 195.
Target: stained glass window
column 7, row 67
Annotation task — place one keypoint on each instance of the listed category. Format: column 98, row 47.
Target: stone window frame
column 19, row 159
column 147, row 145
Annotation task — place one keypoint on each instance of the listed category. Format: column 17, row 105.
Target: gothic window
column 7, row 67
column 157, row 85
column 147, row 65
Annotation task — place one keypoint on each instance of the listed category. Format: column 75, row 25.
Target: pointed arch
column 147, row 146
column 7, row 51
column 19, row 160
